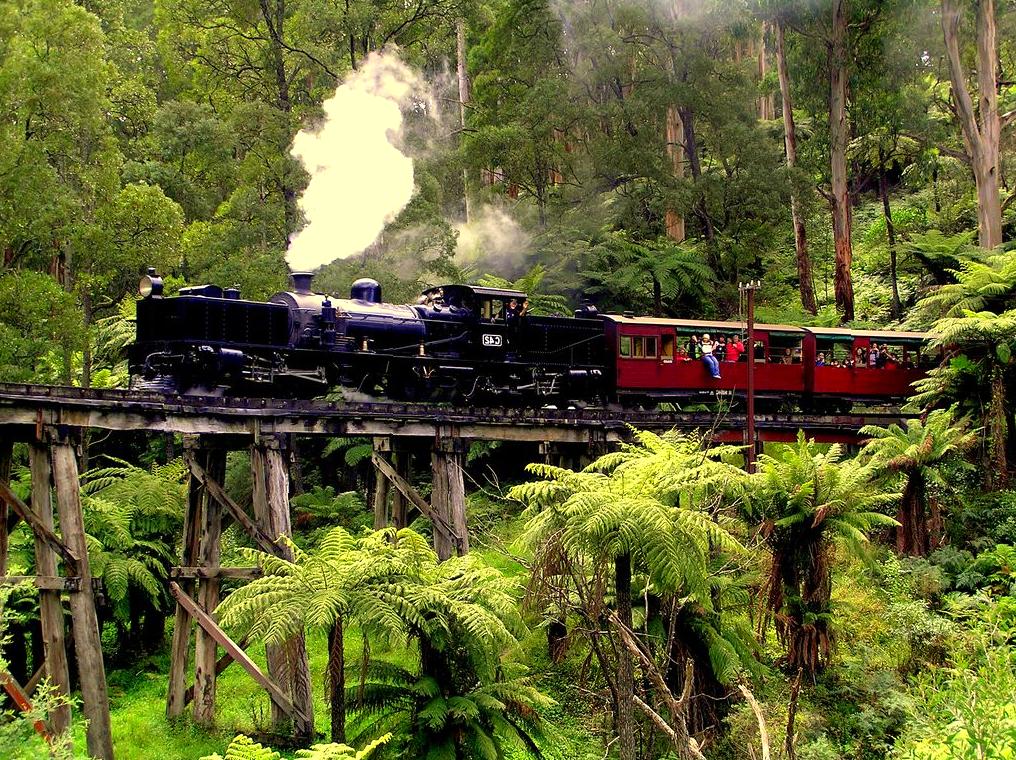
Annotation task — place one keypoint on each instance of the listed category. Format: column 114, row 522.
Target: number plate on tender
column 491, row 341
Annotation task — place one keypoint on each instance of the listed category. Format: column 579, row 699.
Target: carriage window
column 834, row 353
column 784, row 349
column 639, row 346
column 667, row 347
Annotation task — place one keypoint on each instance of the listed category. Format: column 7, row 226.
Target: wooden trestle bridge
column 51, row 421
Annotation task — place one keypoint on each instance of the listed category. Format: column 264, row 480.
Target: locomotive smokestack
column 301, row 282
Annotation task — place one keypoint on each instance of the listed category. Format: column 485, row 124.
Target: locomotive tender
column 473, row 344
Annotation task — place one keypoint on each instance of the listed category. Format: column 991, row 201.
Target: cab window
column 492, row 310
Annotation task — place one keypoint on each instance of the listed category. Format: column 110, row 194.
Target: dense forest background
column 856, row 156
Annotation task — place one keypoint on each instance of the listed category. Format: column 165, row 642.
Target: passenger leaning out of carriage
column 873, row 354
column 681, row 354
column 735, row 347
column 820, row 360
column 706, row 346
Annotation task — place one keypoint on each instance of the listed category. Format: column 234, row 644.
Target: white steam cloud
column 493, row 240
column 360, row 179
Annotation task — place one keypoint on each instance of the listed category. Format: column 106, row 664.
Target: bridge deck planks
column 23, row 405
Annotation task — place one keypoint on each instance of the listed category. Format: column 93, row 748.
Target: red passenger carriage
column 655, row 359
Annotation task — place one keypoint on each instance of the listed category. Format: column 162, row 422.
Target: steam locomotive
column 472, row 344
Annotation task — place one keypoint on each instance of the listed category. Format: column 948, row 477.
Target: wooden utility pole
column 749, row 288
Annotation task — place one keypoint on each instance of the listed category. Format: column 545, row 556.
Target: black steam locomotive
column 457, row 343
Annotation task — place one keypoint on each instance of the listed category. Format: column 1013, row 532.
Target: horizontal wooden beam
column 407, row 490
column 190, row 573
column 39, row 527
column 47, row 582
column 233, row 649
column 30, row 408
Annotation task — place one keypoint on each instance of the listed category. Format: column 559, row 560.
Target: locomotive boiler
column 458, row 342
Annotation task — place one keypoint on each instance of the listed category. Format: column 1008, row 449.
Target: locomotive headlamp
column 151, row 284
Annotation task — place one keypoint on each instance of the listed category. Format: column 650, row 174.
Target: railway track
column 117, row 409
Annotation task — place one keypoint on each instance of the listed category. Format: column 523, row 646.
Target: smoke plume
column 360, row 179
column 493, row 242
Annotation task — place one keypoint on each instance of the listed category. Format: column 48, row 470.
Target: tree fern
column 461, row 612
column 807, row 499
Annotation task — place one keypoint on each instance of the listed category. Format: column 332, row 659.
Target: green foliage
column 324, row 505
column 640, row 273
column 808, row 498
column 966, row 709
column 245, row 748
column 39, row 326
column 132, row 517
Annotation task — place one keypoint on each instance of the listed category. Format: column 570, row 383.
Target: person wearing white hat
column 706, row 346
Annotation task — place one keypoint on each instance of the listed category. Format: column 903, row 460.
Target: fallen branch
column 763, row 732
column 682, row 745
column 795, row 692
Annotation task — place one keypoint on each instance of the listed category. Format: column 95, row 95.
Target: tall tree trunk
column 460, row 65
column 804, row 274
column 913, row 534
column 997, row 471
column 337, row 681
column 766, row 104
column 624, row 711
column 657, row 298
column 895, row 307
column 673, row 219
column 838, row 138
column 695, row 164
column 274, row 16
column 981, row 129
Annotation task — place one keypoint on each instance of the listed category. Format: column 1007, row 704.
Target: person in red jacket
column 735, row 347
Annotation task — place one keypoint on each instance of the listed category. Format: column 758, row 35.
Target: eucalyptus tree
column 807, row 500
column 644, row 520
column 981, row 125
column 919, row 455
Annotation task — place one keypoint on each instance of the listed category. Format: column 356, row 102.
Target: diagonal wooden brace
column 262, row 539
column 407, row 490
column 233, row 649
column 13, row 688
column 37, row 526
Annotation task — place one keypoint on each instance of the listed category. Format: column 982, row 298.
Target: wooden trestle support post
column 199, row 579
column 447, row 507
column 287, row 663
column 391, row 507
column 53, row 460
